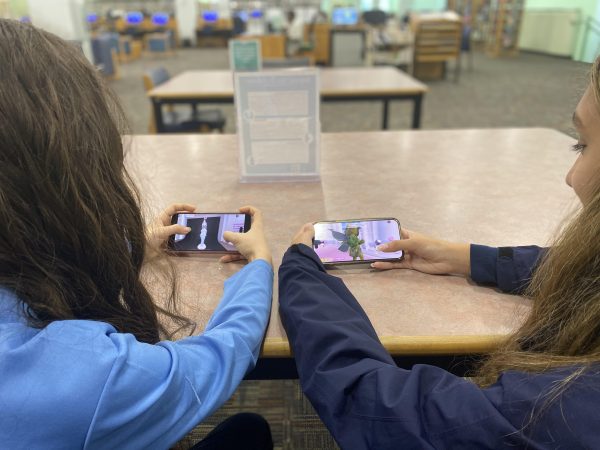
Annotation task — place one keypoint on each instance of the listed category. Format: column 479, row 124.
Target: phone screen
column 356, row 240
column 207, row 231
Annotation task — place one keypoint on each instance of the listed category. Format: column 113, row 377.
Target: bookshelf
column 475, row 16
column 504, row 26
column 494, row 24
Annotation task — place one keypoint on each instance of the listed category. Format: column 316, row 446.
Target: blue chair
column 239, row 26
column 176, row 122
column 104, row 54
column 159, row 43
column 375, row 17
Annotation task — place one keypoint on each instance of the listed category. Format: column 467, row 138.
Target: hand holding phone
column 305, row 235
column 253, row 244
column 207, row 232
column 239, row 235
column 356, row 240
column 162, row 228
column 428, row 255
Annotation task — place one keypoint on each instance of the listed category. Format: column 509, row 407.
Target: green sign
column 244, row 55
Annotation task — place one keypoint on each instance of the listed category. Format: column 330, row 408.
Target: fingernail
column 381, row 247
column 188, row 229
column 373, row 265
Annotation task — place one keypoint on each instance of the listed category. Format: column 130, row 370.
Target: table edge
column 408, row 345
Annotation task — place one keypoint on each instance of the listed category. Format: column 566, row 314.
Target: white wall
column 223, row 9
column 592, row 46
column 551, row 31
column 65, row 18
column 186, row 13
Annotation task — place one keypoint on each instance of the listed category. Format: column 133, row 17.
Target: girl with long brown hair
column 539, row 389
column 85, row 360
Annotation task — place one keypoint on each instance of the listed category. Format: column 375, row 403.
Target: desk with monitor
column 494, row 187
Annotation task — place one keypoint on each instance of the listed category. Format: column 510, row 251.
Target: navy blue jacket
column 508, row 268
column 367, row 402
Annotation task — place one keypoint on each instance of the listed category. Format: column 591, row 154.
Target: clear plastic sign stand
column 278, row 125
column 245, row 55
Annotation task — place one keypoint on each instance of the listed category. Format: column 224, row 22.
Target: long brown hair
column 72, row 239
column 563, row 328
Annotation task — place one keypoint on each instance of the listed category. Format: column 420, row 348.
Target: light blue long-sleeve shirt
column 82, row 384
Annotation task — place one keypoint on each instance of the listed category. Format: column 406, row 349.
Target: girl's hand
column 252, row 245
column 160, row 229
column 305, row 235
column 428, row 255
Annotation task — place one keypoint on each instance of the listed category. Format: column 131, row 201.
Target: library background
column 470, row 53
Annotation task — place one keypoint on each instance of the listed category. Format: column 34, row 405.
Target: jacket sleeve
column 364, row 399
column 508, row 268
column 155, row 394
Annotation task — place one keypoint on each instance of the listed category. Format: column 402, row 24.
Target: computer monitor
column 256, row 14
column 134, row 18
column 344, row 16
column 160, row 19
column 92, row 18
column 210, row 16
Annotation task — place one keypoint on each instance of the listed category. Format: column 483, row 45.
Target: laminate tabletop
column 487, row 186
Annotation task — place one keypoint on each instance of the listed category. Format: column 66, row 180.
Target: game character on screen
column 351, row 242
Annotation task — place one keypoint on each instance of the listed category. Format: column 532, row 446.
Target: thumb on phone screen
column 232, row 237
column 252, row 244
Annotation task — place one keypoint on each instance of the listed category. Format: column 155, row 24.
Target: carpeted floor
column 530, row 90
column 294, row 423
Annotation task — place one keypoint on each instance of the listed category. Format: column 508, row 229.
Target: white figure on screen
column 203, row 232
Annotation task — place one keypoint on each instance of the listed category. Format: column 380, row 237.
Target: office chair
column 239, row 26
column 375, row 17
column 104, row 50
column 175, row 121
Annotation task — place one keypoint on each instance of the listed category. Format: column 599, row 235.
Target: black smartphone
column 207, row 232
column 355, row 240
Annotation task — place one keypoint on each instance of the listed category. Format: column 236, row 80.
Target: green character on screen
column 350, row 241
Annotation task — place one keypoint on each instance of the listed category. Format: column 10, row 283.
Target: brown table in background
column 495, row 187
column 355, row 84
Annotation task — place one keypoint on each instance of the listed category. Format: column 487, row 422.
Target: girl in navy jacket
column 540, row 389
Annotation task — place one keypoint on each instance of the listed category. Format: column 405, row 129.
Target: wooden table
column 495, row 187
column 356, row 84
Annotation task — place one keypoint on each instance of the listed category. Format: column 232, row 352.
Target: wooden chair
column 197, row 121
column 437, row 41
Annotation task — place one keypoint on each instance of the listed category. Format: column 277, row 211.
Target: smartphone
column 207, row 232
column 355, row 241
